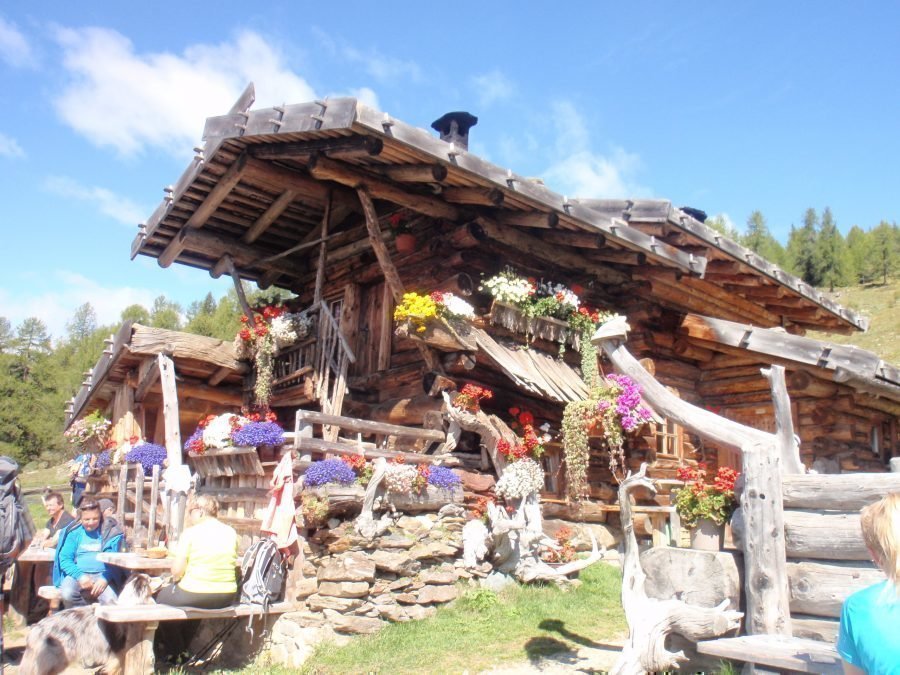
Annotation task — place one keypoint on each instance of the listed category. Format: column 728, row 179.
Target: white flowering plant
column 519, row 479
column 400, row 478
column 509, row 287
column 455, row 306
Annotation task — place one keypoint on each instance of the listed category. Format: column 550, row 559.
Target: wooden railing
column 326, row 356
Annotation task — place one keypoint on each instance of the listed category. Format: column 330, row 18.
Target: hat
column 105, row 504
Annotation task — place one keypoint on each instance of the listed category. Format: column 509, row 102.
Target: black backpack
column 263, row 576
column 16, row 526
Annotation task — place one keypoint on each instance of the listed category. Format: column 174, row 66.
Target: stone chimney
column 454, row 128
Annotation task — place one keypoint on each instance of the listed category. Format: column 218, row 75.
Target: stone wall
column 353, row 585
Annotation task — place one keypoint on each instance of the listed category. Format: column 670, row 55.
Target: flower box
column 444, row 335
column 542, row 327
column 432, row 499
column 232, row 461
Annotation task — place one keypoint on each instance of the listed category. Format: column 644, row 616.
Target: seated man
column 80, row 577
column 59, row 519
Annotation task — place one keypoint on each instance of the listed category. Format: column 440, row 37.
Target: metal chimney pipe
column 454, row 127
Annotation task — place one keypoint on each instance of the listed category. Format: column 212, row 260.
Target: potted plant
column 705, row 507
column 404, row 240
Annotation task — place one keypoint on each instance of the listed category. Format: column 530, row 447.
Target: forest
column 39, row 372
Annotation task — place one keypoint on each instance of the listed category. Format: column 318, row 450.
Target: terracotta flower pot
column 706, row 535
column 405, row 243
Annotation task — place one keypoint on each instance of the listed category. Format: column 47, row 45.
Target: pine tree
column 830, row 253
column 6, row 335
column 801, row 249
column 83, row 323
column 759, row 240
column 860, row 256
column 722, row 226
column 886, row 249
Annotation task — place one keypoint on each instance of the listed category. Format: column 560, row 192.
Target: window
column 669, row 440
column 551, row 465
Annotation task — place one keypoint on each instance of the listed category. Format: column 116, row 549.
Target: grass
column 880, row 303
column 38, row 478
column 482, row 630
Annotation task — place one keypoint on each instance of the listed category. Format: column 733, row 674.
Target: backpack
column 16, row 526
column 263, row 576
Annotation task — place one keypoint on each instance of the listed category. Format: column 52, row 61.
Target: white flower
column 456, row 306
column 520, row 479
column 217, row 433
column 282, row 331
column 399, row 478
column 507, row 288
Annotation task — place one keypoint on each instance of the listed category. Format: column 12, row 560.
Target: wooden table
column 22, row 587
column 136, row 563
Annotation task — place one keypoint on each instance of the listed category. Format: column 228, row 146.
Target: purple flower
column 103, row 460
column 329, row 471
column 147, row 455
column 443, row 478
column 196, row 436
column 254, row 434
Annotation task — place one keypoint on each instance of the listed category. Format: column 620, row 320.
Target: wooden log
column 432, row 499
column 784, row 653
column 815, row 628
column 341, row 447
column 459, row 362
column 474, row 196
column 148, row 374
column 326, row 169
column 123, row 486
column 687, row 350
column 445, row 336
column 416, row 173
column 538, row 219
column 788, row 447
column 838, row 492
column 138, row 502
column 170, row 410
column 139, row 658
column 407, row 411
column 802, row 383
column 821, row 588
column 460, row 284
column 824, row 536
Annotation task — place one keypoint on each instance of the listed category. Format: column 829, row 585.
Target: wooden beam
column 416, row 173
column 216, row 378
column 214, row 199
column 391, row 276
column 148, row 374
column 540, row 250
column 323, row 249
column 476, row 196
column 270, row 215
column 538, row 219
column 170, row 410
column 326, row 169
column 344, row 146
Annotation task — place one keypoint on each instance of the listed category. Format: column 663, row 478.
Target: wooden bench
column 52, row 595
column 143, row 621
column 778, row 651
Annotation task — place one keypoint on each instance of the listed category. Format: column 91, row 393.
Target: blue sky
column 728, row 107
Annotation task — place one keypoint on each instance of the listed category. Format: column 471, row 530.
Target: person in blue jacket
column 869, row 636
column 80, row 577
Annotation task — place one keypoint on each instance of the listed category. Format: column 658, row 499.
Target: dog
column 77, row 635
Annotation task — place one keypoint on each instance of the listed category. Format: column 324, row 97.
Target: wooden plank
column 124, row 614
column 138, row 501
column 344, row 448
column 148, row 374
column 815, row 628
column 123, row 486
column 779, row 651
column 839, row 492
column 170, row 410
column 154, row 501
column 366, row 426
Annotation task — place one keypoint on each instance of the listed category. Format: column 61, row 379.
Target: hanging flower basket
column 405, row 243
column 448, row 335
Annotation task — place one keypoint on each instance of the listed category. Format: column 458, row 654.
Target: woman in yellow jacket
column 204, row 568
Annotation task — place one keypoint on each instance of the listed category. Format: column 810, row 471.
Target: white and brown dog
column 77, row 636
